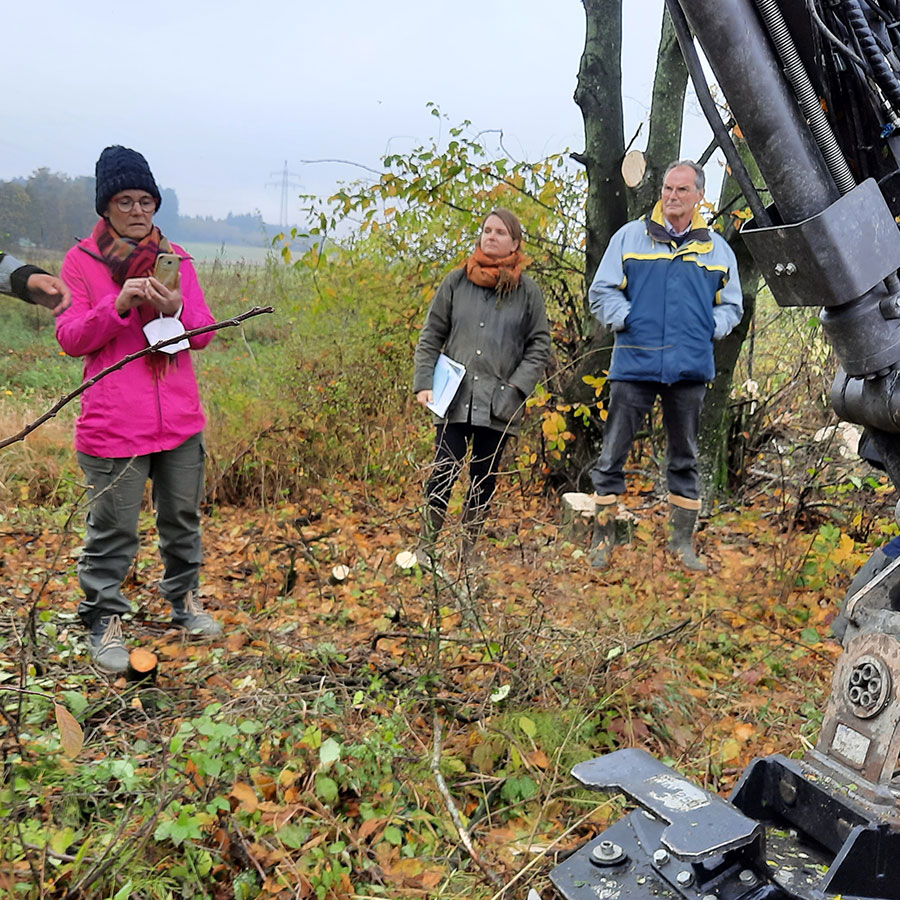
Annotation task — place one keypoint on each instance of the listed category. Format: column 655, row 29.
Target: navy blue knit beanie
column 122, row 169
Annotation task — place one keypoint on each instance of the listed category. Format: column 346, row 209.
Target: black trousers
column 452, row 442
column 629, row 403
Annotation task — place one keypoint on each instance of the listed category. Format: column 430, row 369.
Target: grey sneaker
column 188, row 613
column 108, row 648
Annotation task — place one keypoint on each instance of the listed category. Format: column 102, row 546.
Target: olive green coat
column 504, row 343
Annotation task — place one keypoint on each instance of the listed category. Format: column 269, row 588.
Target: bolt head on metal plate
column 608, row 853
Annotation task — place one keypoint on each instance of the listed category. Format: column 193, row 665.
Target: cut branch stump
column 339, row 574
column 577, row 520
column 142, row 666
column 406, row 561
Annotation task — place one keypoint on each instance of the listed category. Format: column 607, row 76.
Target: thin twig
column 135, row 845
column 227, row 323
column 17, row 690
column 34, row 873
column 464, row 836
column 541, row 855
column 249, row 852
column 658, row 637
column 63, row 857
column 343, row 162
column 107, row 858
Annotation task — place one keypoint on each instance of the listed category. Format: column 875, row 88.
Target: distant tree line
column 244, row 229
column 52, row 210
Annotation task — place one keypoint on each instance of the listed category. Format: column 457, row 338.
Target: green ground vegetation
column 335, row 742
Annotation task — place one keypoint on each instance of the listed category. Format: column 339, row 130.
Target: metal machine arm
column 815, row 88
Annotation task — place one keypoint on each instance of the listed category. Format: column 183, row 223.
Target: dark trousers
column 451, row 444
column 116, row 489
column 629, row 404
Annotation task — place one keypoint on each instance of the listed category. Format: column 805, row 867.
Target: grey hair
column 699, row 174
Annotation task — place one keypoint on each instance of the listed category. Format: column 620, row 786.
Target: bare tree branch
column 461, row 830
column 226, row 323
column 343, row 162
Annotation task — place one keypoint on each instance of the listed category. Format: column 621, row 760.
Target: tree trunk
column 666, row 119
column 599, row 96
column 715, row 423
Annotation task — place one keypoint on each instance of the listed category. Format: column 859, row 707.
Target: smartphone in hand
column 166, row 269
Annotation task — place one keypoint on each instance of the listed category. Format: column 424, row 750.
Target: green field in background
column 227, row 253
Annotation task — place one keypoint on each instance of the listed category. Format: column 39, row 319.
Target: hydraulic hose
column 882, row 72
column 806, row 95
column 876, row 10
column 839, row 45
column 708, row 105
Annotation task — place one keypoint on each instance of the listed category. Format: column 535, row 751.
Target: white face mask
column 163, row 328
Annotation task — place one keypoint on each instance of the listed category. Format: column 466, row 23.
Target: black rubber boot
column 603, row 539
column 681, row 537
column 472, row 526
column 426, row 548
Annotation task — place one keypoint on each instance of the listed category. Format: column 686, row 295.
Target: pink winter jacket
column 130, row 412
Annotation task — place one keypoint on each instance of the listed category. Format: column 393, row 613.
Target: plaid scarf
column 127, row 258
column 134, row 259
column 501, row 274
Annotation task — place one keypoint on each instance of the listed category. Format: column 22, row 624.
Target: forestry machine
column 814, row 86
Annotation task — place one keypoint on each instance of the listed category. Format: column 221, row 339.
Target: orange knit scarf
column 502, row 274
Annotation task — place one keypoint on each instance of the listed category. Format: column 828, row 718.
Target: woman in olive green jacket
column 489, row 317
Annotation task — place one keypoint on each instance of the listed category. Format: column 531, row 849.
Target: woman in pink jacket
column 143, row 420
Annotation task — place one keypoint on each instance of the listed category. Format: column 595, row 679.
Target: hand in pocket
column 508, row 403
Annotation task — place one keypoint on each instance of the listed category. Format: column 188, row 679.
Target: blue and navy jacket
column 666, row 302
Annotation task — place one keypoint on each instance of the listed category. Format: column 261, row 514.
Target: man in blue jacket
column 668, row 287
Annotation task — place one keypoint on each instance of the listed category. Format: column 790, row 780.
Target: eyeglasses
column 124, row 204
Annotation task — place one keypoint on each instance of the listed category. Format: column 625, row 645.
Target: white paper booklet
column 448, row 376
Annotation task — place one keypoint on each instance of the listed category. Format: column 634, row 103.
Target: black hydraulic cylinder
column 764, row 106
column 817, row 252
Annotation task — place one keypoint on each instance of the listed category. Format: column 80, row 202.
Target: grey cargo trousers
column 115, row 492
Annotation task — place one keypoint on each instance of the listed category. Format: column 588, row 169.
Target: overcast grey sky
column 219, row 95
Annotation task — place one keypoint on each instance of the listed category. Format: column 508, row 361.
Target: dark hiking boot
column 108, row 650
column 188, row 613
